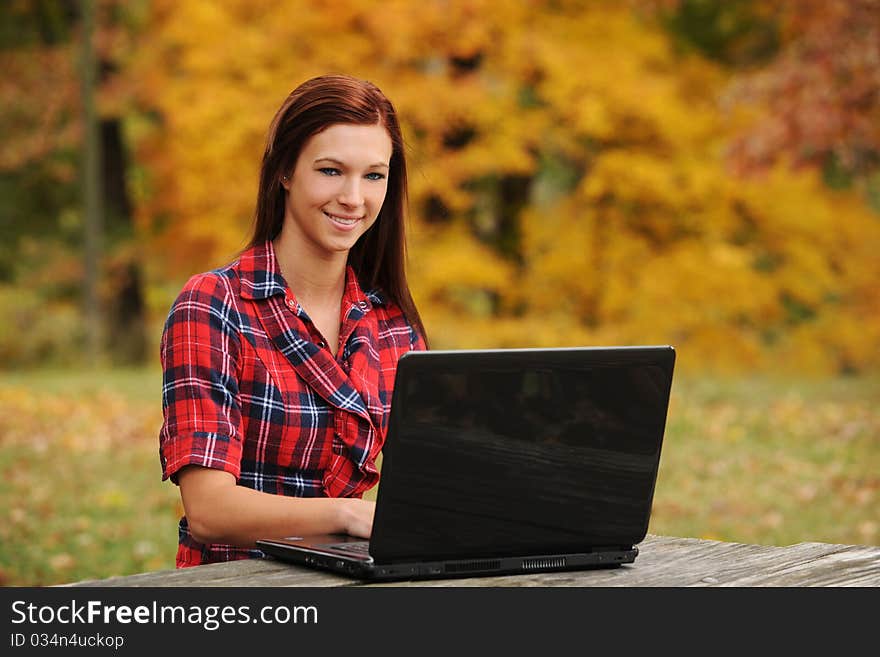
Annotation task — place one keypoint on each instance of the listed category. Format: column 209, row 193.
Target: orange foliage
column 567, row 177
column 821, row 96
column 38, row 90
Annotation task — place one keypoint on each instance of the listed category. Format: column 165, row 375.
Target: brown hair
column 379, row 256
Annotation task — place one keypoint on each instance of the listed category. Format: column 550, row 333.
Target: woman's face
column 338, row 185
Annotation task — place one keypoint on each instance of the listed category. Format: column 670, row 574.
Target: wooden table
column 663, row 561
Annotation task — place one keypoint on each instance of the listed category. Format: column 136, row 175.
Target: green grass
column 82, row 491
column 771, row 461
column 749, row 460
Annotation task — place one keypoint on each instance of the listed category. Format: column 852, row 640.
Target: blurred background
column 702, row 173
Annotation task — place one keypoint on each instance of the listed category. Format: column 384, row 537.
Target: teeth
column 342, row 220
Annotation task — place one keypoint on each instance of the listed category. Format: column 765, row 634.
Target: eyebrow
column 375, row 165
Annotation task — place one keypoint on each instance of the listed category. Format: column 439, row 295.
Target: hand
column 356, row 516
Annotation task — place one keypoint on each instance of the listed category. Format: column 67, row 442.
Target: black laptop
column 509, row 461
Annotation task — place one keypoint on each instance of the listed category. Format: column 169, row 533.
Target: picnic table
column 663, row 561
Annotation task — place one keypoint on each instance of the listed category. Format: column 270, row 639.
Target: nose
column 351, row 195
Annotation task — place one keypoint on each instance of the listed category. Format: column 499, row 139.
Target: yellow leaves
column 818, row 247
column 62, row 561
column 837, row 341
column 612, row 78
column 453, row 260
column 634, row 231
column 113, row 498
column 652, row 182
column 705, row 299
column 561, row 275
column 48, row 421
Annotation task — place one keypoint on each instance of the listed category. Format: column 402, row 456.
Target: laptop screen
column 522, row 451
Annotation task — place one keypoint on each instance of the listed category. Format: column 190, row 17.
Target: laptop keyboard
column 356, row 547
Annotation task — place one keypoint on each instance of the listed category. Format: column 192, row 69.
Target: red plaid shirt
column 249, row 388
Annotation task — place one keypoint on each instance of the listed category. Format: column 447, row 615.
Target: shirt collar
column 261, row 278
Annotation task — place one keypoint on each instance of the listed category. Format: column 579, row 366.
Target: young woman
column 278, row 368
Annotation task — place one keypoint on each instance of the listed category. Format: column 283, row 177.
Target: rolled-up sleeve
column 199, row 353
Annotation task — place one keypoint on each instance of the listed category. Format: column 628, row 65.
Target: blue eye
column 329, row 171
column 375, row 176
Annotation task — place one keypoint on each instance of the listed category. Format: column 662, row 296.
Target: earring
column 284, row 178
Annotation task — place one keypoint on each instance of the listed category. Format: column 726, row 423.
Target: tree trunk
column 92, row 192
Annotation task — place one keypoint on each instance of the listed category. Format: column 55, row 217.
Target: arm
column 200, row 439
column 220, row 511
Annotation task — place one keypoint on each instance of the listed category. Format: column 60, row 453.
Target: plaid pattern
column 249, row 389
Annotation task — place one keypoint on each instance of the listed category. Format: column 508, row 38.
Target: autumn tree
column 568, row 177
column 41, row 118
column 805, row 71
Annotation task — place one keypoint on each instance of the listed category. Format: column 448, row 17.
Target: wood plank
column 663, row 561
column 817, row 564
column 688, row 562
column 247, row 572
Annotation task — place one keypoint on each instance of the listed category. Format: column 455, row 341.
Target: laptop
column 509, row 461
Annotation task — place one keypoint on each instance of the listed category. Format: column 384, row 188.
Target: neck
column 314, row 278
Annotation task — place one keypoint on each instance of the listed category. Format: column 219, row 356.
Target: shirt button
column 363, row 305
column 291, row 304
column 322, row 344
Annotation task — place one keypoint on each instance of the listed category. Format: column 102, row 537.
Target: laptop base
column 365, row 568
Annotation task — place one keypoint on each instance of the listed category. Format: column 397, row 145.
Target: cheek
column 377, row 197
column 321, row 189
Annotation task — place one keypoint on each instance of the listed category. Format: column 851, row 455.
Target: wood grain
column 663, row 561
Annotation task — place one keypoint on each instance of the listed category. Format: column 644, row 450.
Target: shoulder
column 208, row 297
column 221, row 282
column 216, row 288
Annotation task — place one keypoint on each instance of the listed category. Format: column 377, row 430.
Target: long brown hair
column 379, row 256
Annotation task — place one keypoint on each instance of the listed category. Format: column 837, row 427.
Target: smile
column 347, row 221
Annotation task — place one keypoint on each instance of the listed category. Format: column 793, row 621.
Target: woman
column 278, row 368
